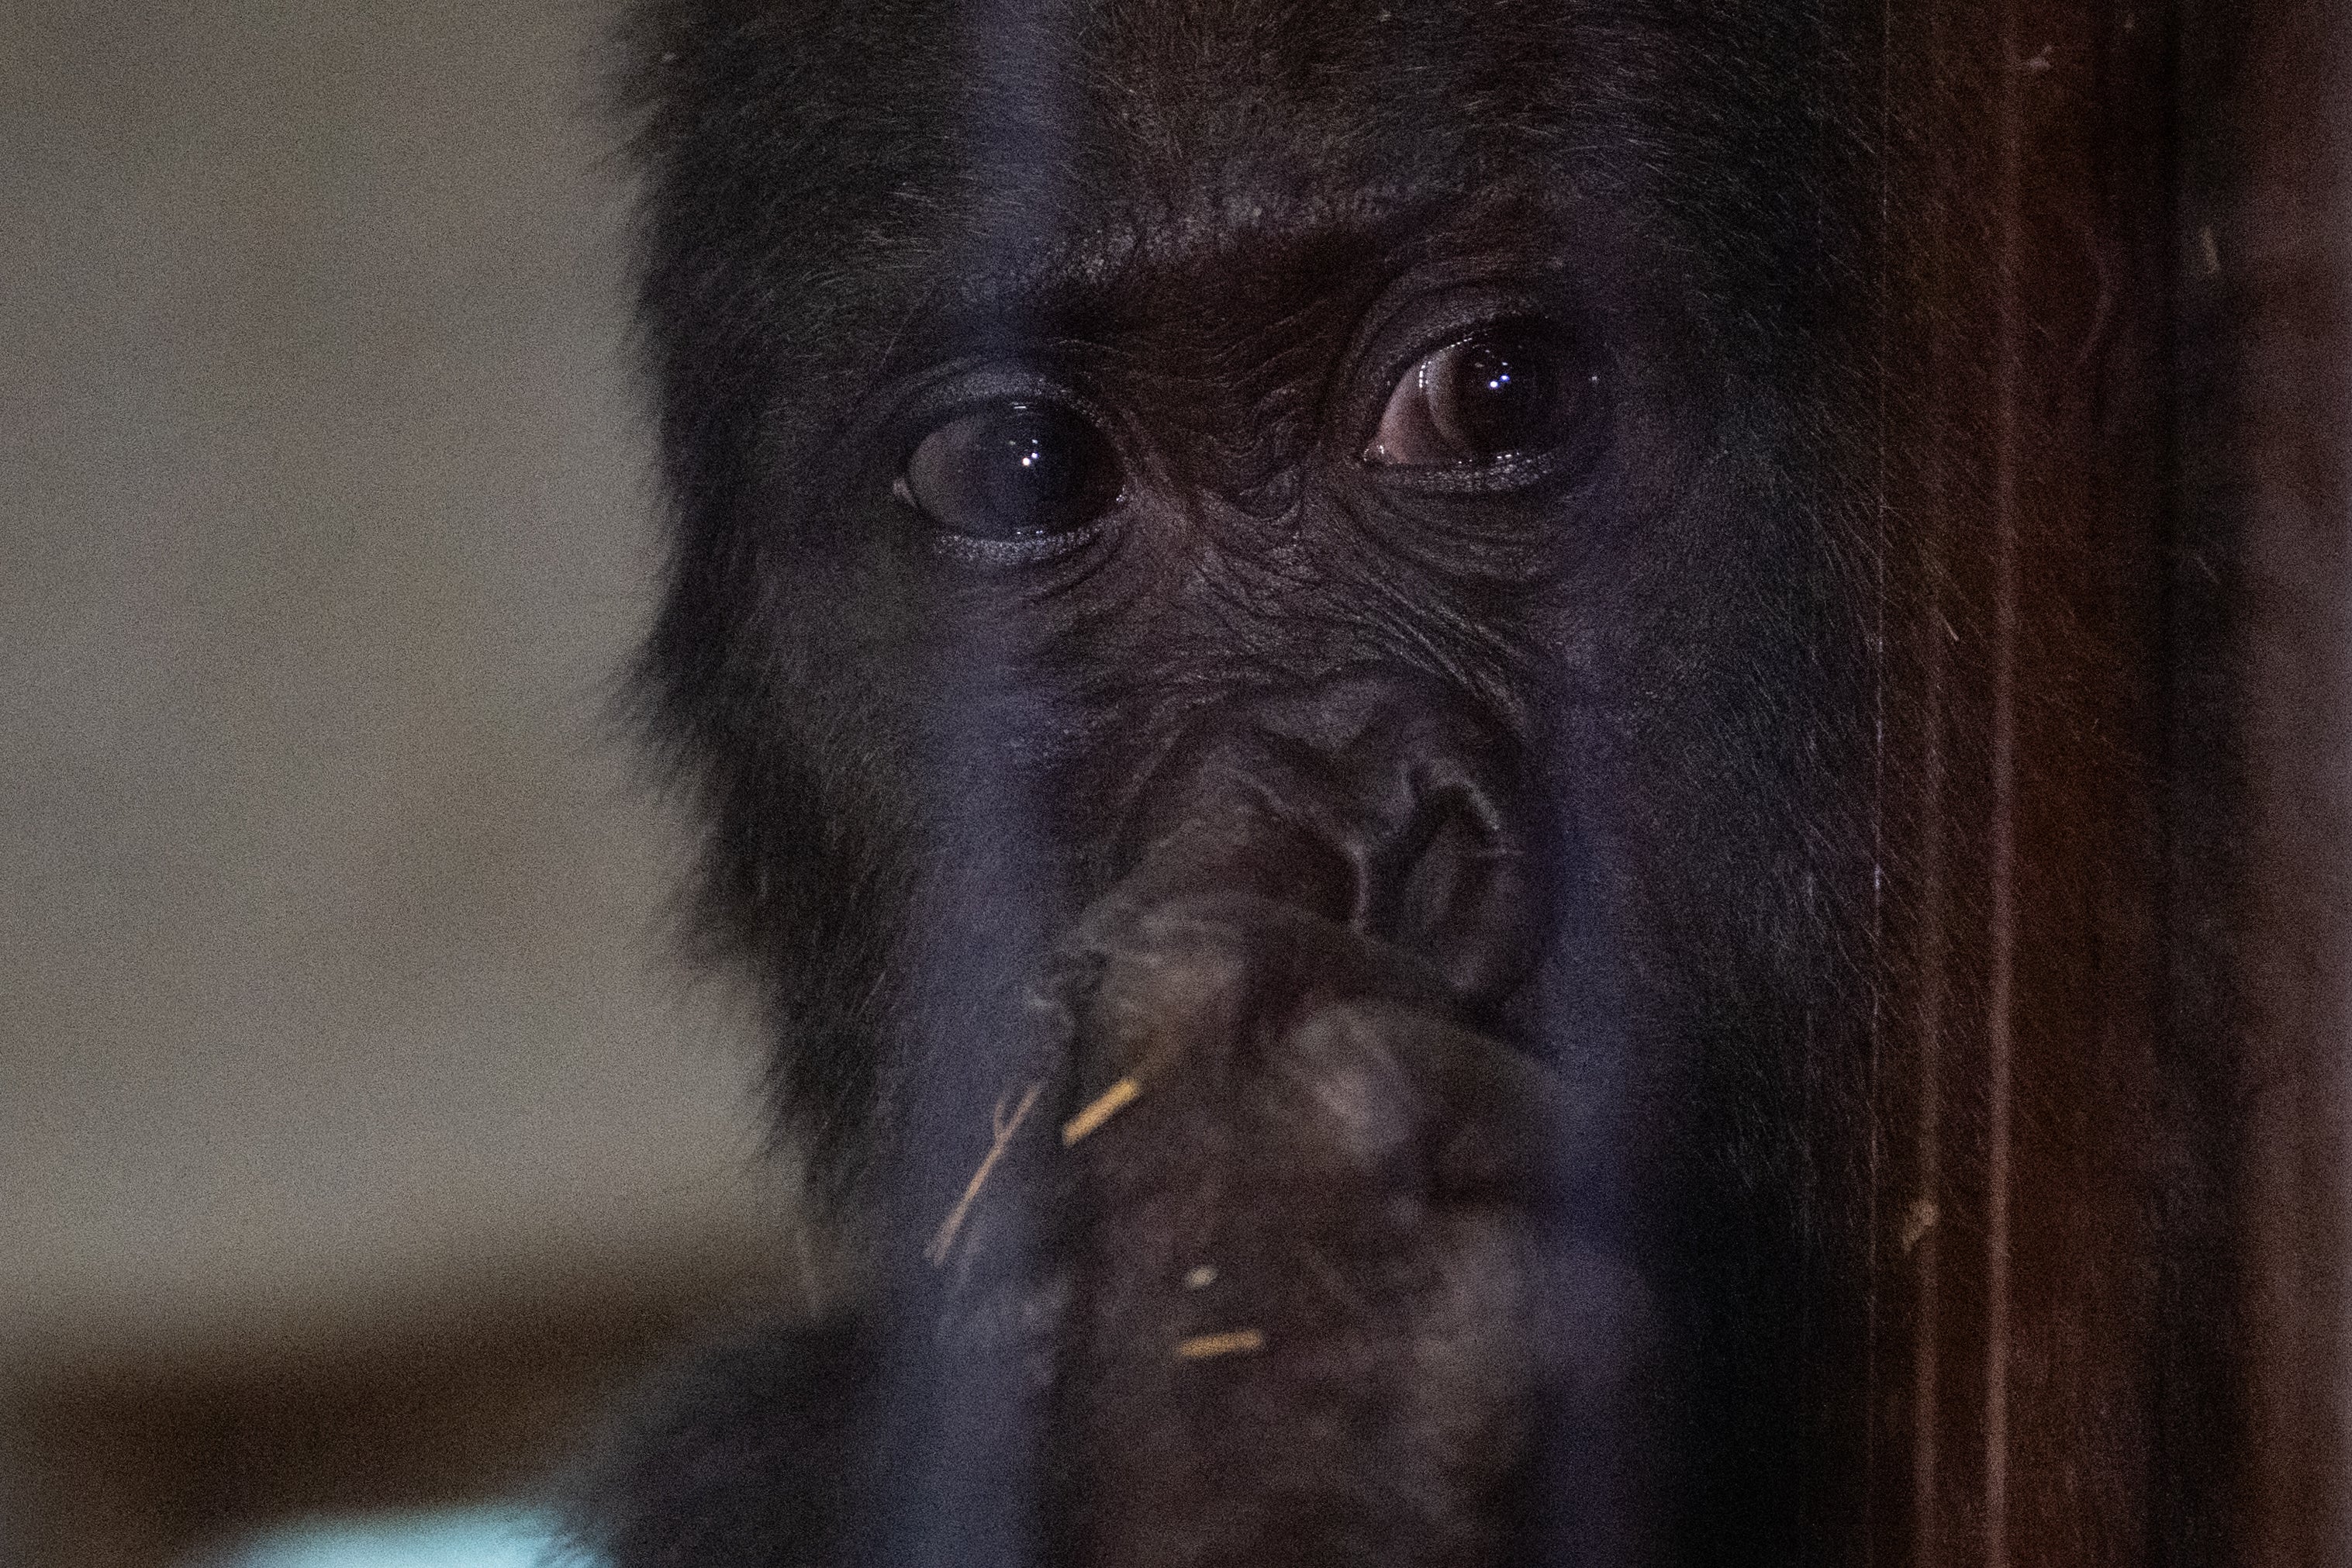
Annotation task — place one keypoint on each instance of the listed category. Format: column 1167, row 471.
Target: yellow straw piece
column 1232, row 1342
column 1108, row 1104
column 1004, row 1128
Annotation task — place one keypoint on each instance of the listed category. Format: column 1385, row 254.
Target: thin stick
column 1108, row 1104
column 937, row 1252
column 1232, row 1342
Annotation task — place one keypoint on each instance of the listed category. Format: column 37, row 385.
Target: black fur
column 1517, row 1164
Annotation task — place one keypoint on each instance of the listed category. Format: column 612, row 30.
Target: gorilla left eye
column 1512, row 391
column 1014, row 471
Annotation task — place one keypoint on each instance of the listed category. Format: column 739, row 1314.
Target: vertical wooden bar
column 2024, row 522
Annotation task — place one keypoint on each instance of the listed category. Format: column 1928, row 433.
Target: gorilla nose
column 1379, row 799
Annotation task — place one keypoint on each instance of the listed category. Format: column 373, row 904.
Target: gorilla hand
column 1312, row 1257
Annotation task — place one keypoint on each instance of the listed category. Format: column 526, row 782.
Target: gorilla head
column 1256, row 620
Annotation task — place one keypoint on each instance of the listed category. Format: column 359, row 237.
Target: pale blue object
column 469, row 1538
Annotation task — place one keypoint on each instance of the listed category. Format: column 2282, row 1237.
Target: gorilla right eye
column 1013, row 471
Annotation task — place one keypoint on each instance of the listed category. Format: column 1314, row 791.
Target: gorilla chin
column 1257, row 619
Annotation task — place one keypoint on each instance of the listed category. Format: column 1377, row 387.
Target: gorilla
column 1266, row 624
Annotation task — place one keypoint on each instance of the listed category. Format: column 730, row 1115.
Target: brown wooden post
column 2108, row 1311
column 2025, row 522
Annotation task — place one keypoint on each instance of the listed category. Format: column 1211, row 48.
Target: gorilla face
column 1255, row 616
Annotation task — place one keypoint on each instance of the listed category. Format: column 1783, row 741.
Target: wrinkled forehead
column 1008, row 121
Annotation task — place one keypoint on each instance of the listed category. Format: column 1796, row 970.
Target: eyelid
column 926, row 400
column 966, row 548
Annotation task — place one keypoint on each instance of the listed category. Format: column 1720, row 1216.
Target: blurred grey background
column 334, row 1008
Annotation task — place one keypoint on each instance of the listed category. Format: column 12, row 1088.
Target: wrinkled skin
column 1454, row 858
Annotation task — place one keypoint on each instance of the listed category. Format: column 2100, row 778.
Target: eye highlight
column 1517, row 390
column 1013, row 471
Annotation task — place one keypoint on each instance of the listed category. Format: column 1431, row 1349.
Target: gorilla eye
column 1512, row 391
column 1013, row 471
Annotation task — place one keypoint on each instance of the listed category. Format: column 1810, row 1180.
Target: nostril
column 1428, row 874
column 1458, row 893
